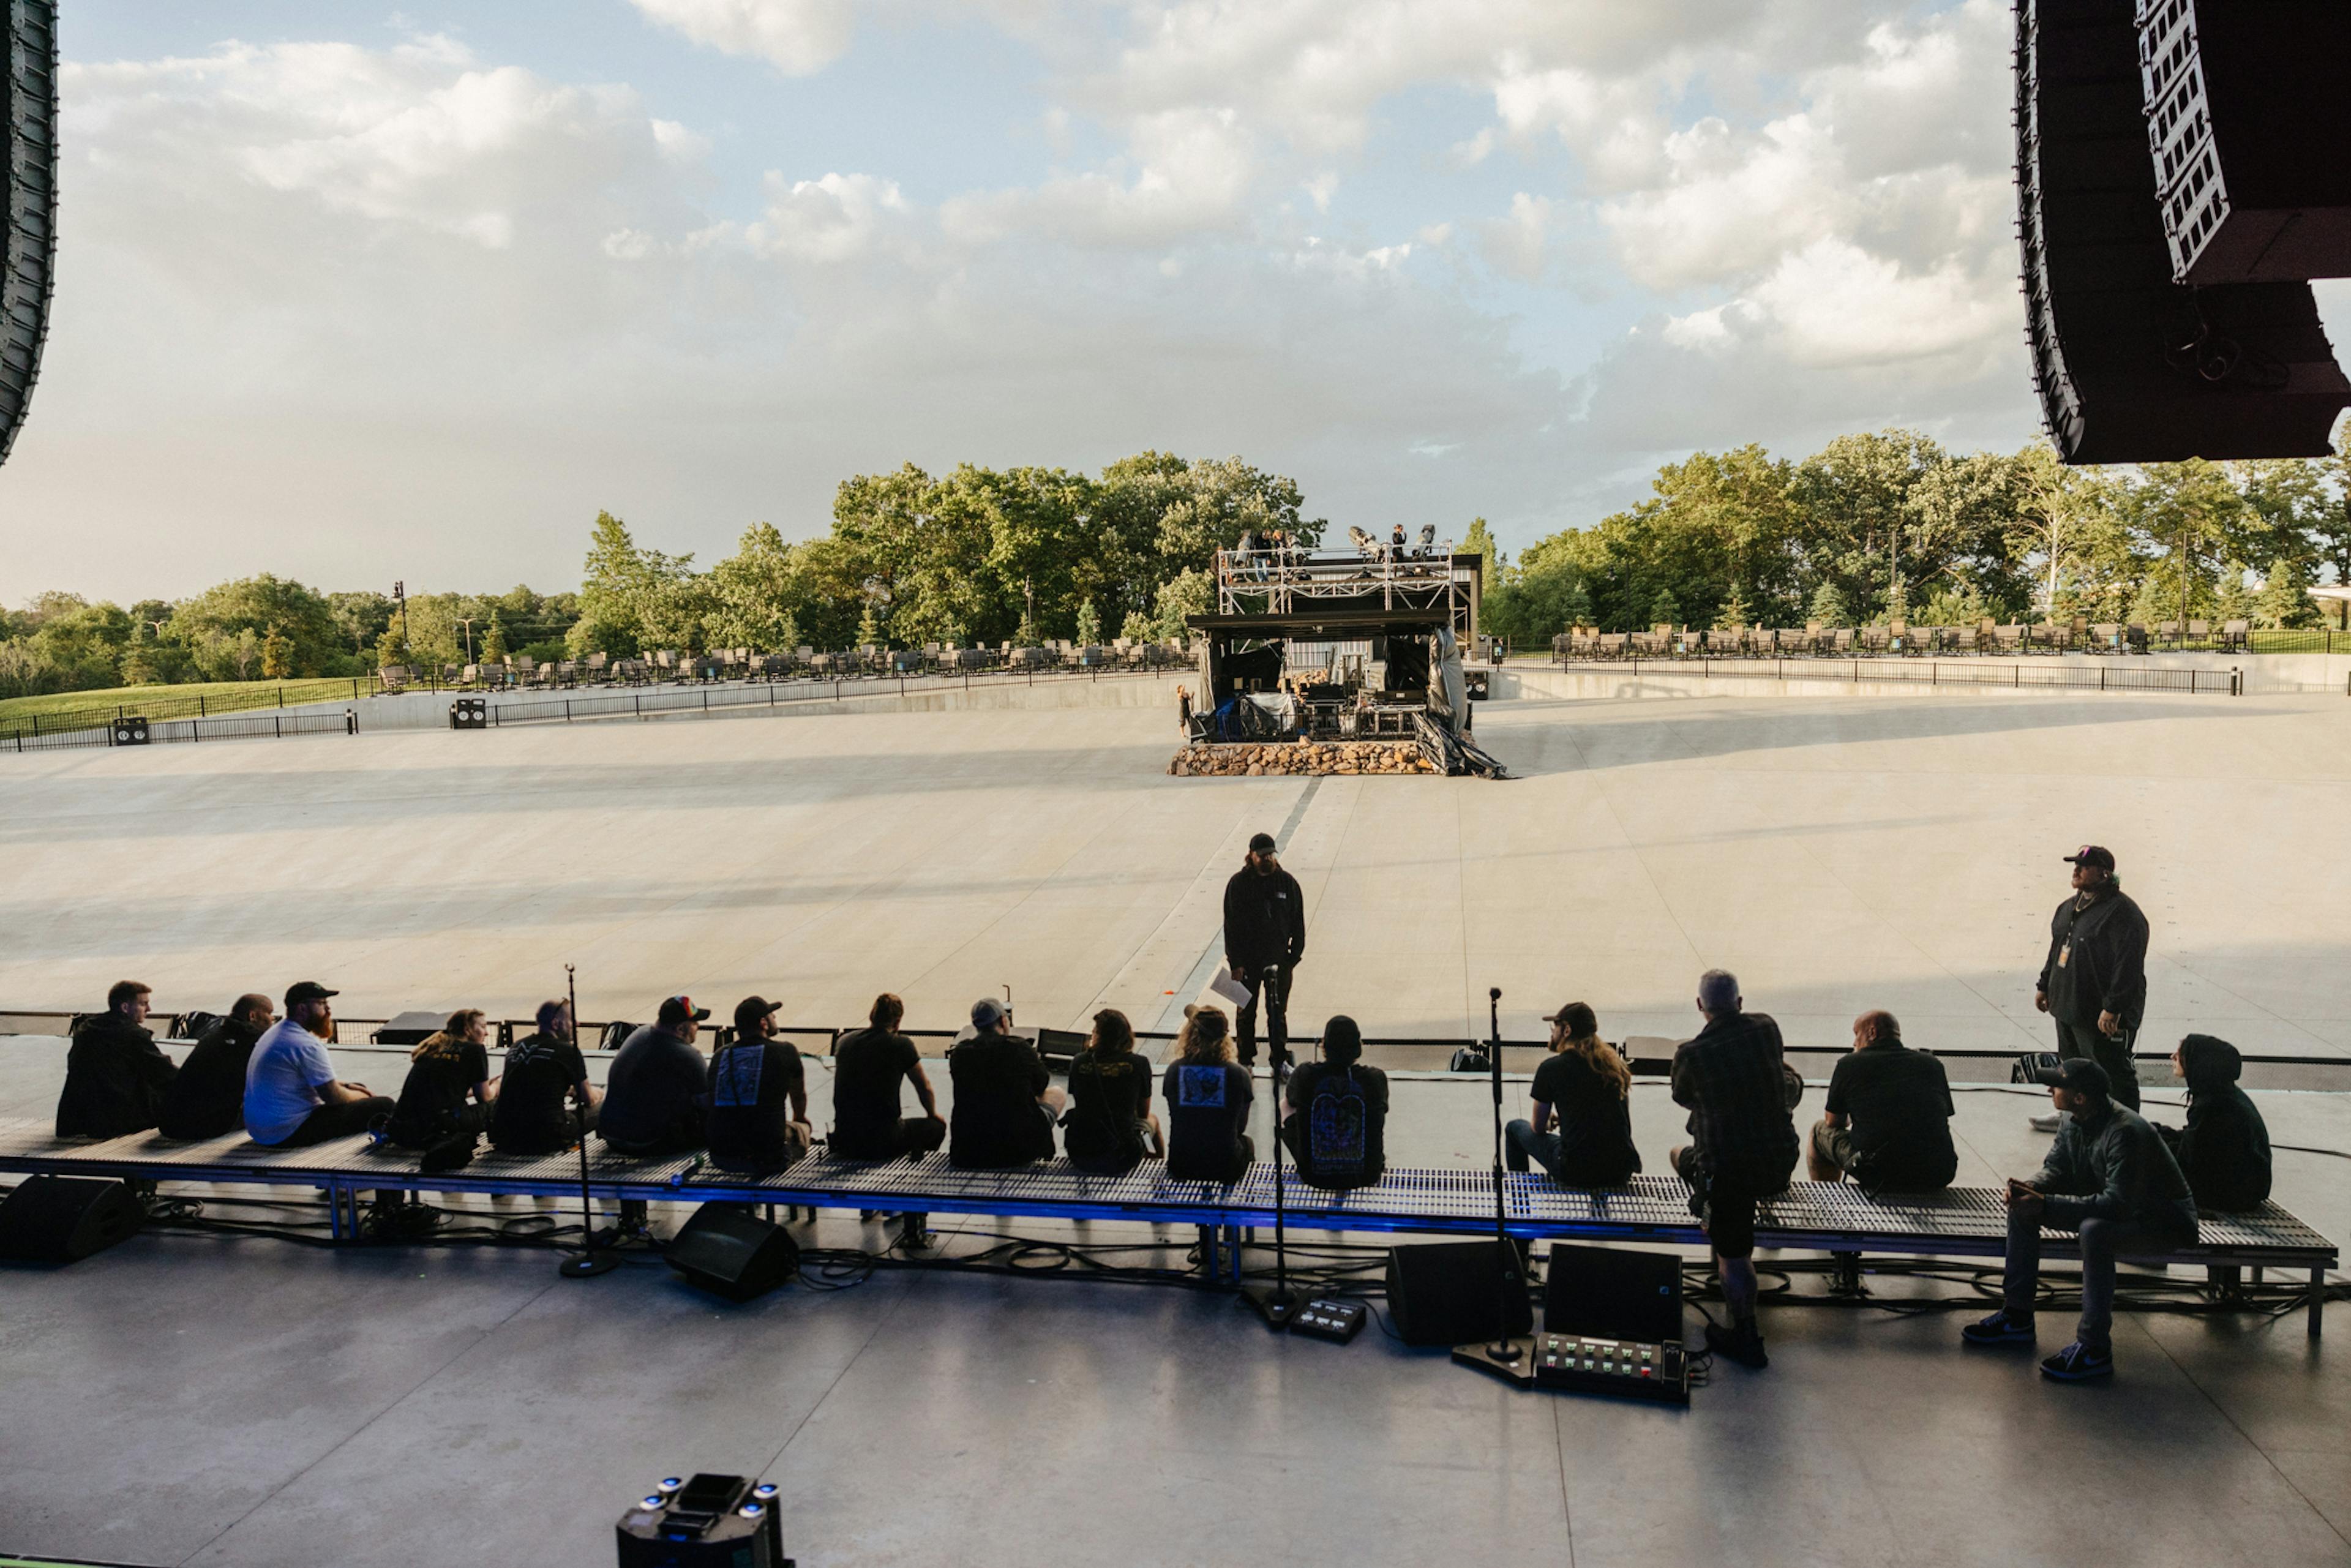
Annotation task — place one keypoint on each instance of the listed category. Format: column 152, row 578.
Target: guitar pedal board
column 1583, row 1364
column 1324, row 1318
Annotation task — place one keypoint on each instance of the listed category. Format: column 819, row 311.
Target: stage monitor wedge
column 28, row 151
column 2251, row 130
column 2130, row 365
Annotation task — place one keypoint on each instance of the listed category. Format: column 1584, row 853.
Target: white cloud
column 1515, row 244
column 799, row 37
column 1185, row 172
column 836, row 218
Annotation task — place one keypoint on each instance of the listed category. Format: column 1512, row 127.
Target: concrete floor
column 200, row 1399
column 1839, row 852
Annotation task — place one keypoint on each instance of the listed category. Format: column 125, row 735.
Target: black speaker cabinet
column 1446, row 1292
column 727, row 1249
column 1606, row 1293
column 131, row 731
column 470, row 713
column 2130, row 365
column 64, row 1219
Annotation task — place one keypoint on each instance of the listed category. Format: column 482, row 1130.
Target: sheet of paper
column 1224, row 986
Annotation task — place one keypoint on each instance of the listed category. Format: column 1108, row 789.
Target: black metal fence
column 201, row 704
column 2030, row 674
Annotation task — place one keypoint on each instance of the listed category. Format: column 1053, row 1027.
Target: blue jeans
column 1519, row 1140
column 2102, row 1240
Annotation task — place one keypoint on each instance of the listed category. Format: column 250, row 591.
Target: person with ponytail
column 1208, row 1094
column 449, row 1089
column 1587, row 1085
column 1109, row 1128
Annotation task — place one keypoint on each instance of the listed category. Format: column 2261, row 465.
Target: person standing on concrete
column 1264, row 936
column 2108, row 1178
column 2094, row 982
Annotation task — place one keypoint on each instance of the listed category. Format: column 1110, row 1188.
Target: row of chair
column 1817, row 641
column 665, row 666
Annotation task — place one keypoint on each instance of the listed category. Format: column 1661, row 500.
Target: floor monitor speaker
column 1607, row 1292
column 63, row 1219
column 727, row 1249
column 1446, row 1294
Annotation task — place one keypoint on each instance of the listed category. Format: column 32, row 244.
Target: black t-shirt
column 531, row 1118
column 1596, row 1123
column 1109, row 1094
column 207, row 1099
column 1897, row 1102
column 654, row 1093
column 998, row 1121
column 751, row 1086
column 867, row 1069
column 435, row 1092
column 1339, row 1138
column 1208, row 1110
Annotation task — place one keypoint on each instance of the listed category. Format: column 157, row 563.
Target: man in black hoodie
column 115, row 1075
column 2093, row 981
column 2224, row 1150
column 207, row 1099
column 1264, row 936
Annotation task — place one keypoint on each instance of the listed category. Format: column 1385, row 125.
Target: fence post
column 281, row 694
column 199, row 704
column 2102, row 677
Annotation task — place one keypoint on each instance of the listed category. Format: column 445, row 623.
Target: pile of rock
column 1310, row 757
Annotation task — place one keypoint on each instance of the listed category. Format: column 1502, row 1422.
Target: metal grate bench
column 1827, row 1216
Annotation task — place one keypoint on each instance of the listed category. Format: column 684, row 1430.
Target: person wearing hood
column 2224, row 1150
column 116, row 1076
column 2108, row 1178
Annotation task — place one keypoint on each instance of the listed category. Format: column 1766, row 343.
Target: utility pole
column 400, row 597
column 468, row 622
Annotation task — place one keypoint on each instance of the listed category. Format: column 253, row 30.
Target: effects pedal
column 1325, row 1318
column 1586, row 1366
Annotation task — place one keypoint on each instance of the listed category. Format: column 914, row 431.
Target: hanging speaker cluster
column 29, row 162
column 2132, row 363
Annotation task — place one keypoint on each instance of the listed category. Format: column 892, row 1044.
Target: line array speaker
column 29, row 164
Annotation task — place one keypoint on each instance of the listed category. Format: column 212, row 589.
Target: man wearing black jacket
column 115, row 1075
column 2093, row 981
column 1264, row 936
column 207, row 1099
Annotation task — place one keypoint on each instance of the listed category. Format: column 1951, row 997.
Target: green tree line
column 1890, row 526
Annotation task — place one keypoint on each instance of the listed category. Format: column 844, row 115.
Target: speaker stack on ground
column 730, row 1251
column 131, row 731
column 470, row 713
column 2181, row 171
column 1442, row 1293
column 64, row 1219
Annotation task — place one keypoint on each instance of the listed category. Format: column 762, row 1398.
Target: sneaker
column 1997, row 1329
column 1742, row 1342
column 2077, row 1362
column 2049, row 1124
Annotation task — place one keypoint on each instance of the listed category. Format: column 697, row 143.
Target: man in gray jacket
column 2110, row 1179
column 2093, row 981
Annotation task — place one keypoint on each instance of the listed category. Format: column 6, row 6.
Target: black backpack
column 1336, row 1147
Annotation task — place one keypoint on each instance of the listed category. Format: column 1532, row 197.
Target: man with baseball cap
column 2094, row 982
column 2110, row 1179
column 1264, row 936
column 292, row 1097
column 758, row 1119
column 658, row 1085
column 1005, row 1101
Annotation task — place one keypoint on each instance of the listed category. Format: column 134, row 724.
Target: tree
column 494, row 640
column 244, row 653
column 2232, row 601
column 213, row 621
column 276, row 655
column 1576, row 604
column 1732, row 616
column 1088, row 633
column 753, row 591
column 1479, row 541
column 1663, row 610
column 2285, row 600
column 1828, row 605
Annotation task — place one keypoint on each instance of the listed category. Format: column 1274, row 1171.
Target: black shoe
column 1997, row 1329
column 2078, row 1363
column 1741, row 1342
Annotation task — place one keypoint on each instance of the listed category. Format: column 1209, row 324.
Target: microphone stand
column 1277, row 1305
column 1510, row 1359
column 587, row 1262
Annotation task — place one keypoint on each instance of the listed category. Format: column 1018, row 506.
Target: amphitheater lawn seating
column 1828, row 1217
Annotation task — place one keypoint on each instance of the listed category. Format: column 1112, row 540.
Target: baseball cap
column 751, row 1009
column 987, row 1011
column 2077, row 1072
column 1261, row 845
column 308, row 991
column 2094, row 855
column 677, row 1009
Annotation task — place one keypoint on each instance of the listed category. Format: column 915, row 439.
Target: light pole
column 468, row 622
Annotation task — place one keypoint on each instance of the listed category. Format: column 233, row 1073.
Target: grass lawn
column 228, row 696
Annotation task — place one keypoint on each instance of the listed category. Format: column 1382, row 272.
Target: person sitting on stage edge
column 2110, row 1179
column 1209, row 1096
column 1110, row 1126
column 2224, row 1150
column 1337, row 1127
column 1264, row 937
column 868, row 1066
column 529, row 1116
column 207, row 1099
column 1733, row 1078
column 759, row 1120
column 449, row 1089
column 1587, row 1083
column 1005, row 1101
column 654, row 1095
column 116, row 1075
column 1888, row 1123
column 292, row 1097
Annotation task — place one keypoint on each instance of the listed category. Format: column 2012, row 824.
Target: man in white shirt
column 292, row 1096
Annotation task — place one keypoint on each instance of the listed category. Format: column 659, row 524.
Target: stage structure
column 29, row 126
column 1325, row 661
column 2183, row 167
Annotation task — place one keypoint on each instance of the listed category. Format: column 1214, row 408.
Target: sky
column 360, row 294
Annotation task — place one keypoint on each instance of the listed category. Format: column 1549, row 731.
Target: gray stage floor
column 201, row 1399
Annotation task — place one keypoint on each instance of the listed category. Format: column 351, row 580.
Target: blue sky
column 359, row 294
